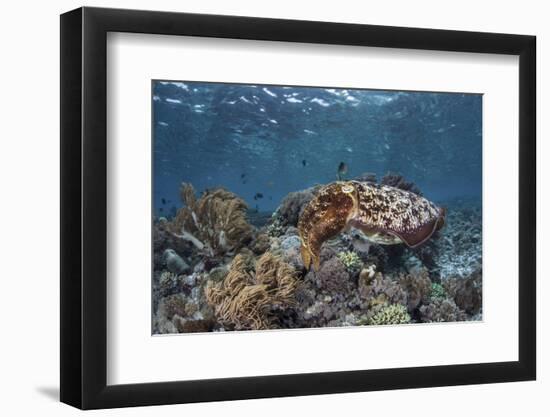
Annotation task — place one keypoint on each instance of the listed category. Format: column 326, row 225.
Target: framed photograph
column 257, row 208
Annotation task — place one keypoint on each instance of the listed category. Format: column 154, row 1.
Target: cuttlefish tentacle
column 386, row 215
column 325, row 217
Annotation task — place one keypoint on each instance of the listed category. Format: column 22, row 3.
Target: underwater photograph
column 293, row 207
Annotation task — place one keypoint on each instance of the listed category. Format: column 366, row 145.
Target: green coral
column 438, row 291
column 351, row 260
column 391, row 314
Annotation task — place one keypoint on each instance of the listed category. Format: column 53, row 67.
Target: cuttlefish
column 385, row 214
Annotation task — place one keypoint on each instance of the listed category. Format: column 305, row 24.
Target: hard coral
column 441, row 310
column 438, row 291
column 333, row 276
column 215, row 223
column 351, row 260
column 378, row 291
column 391, row 314
column 250, row 296
column 466, row 292
column 418, row 287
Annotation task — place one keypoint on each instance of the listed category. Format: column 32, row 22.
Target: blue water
column 272, row 140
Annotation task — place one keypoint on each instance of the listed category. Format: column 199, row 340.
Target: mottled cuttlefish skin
column 385, row 214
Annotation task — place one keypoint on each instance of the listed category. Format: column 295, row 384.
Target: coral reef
column 163, row 239
column 391, row 314
column 460, row 245
column 466, row 292
column 333, row 276
column 174, row 262
column 215, row 223
column 250, row 296
column 438, row 291
column 214, row 271
column 379, row 289
column 260, row 244
column 179, row 313
column 440, row 310
column 418, row 287
column 351, row 260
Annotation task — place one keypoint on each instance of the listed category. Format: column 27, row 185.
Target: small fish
column 304, row 162
column 243, row 175
column 342, row 171
column 161, row 209
column 258, row 196
column 163, row 201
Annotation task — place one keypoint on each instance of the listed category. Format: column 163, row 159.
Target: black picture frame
column 84, row 207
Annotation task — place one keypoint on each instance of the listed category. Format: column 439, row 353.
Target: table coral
column 252, row 293
column 215, row 223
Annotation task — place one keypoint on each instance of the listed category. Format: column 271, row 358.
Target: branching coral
column 351, row 260
column 391, row 314
column 215, row 223
column 250, row 296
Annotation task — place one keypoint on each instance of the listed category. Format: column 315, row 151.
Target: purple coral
column 333, row 276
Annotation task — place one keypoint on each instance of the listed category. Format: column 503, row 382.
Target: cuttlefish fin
column 422, row 234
